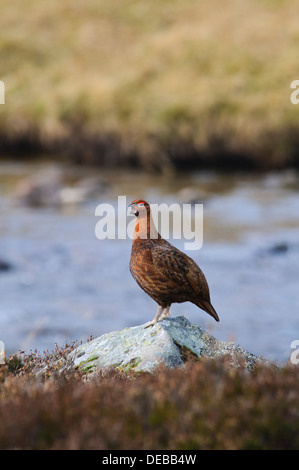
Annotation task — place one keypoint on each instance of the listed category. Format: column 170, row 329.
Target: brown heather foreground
column 205, row 405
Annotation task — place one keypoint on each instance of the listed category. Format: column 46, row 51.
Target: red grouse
column 165, row 273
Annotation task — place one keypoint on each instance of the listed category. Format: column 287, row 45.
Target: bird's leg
column 157, row 317
column 165, row 314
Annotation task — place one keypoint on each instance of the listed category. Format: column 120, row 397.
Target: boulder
column 5, row 265
column 170, row 342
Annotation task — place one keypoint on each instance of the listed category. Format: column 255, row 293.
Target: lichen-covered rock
column 169, row 342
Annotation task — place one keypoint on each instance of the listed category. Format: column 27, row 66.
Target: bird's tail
column 208, row 307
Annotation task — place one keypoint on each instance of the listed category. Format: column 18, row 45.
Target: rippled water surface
column 59, row 283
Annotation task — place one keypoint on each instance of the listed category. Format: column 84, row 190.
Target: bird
column 164, row 272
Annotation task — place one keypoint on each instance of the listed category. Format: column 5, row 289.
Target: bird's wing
column 198, row 282
column 179, row 267
column 171, row 262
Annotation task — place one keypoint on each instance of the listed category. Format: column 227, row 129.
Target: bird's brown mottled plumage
column 165, row 273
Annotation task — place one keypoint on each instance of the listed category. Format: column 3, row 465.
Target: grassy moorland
column 206, row 405
column 159, row 84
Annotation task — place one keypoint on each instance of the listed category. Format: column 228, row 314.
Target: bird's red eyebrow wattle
column 139, row 201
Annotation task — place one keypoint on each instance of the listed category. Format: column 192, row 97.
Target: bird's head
column 139, row 208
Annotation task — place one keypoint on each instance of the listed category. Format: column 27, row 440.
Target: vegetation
column 156, row 84
column 206, row 405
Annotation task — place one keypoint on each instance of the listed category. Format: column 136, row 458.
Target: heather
column 206, row 404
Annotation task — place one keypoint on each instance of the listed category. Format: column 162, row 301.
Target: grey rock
column 5, row 266
column 169, row 342
column 40, row 189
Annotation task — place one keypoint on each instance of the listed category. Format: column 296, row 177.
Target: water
column 65, row 285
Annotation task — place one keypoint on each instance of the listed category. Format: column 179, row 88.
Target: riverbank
column 163, row 86
column 207, row 404
column 226, row 151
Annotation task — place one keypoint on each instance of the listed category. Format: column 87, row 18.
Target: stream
column 59, row 283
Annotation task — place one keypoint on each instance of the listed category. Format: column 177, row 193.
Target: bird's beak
column 131, row 211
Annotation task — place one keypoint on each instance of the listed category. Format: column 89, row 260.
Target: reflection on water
column 59, row 283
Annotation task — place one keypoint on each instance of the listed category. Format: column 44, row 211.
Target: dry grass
column 206, row 405
column 156, row 82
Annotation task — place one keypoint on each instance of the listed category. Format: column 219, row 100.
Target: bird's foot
column 165, row 314
column 156, row 318
column 150, row 323
column 161, row 314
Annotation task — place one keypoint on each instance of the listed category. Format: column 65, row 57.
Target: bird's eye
column 141, row 204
